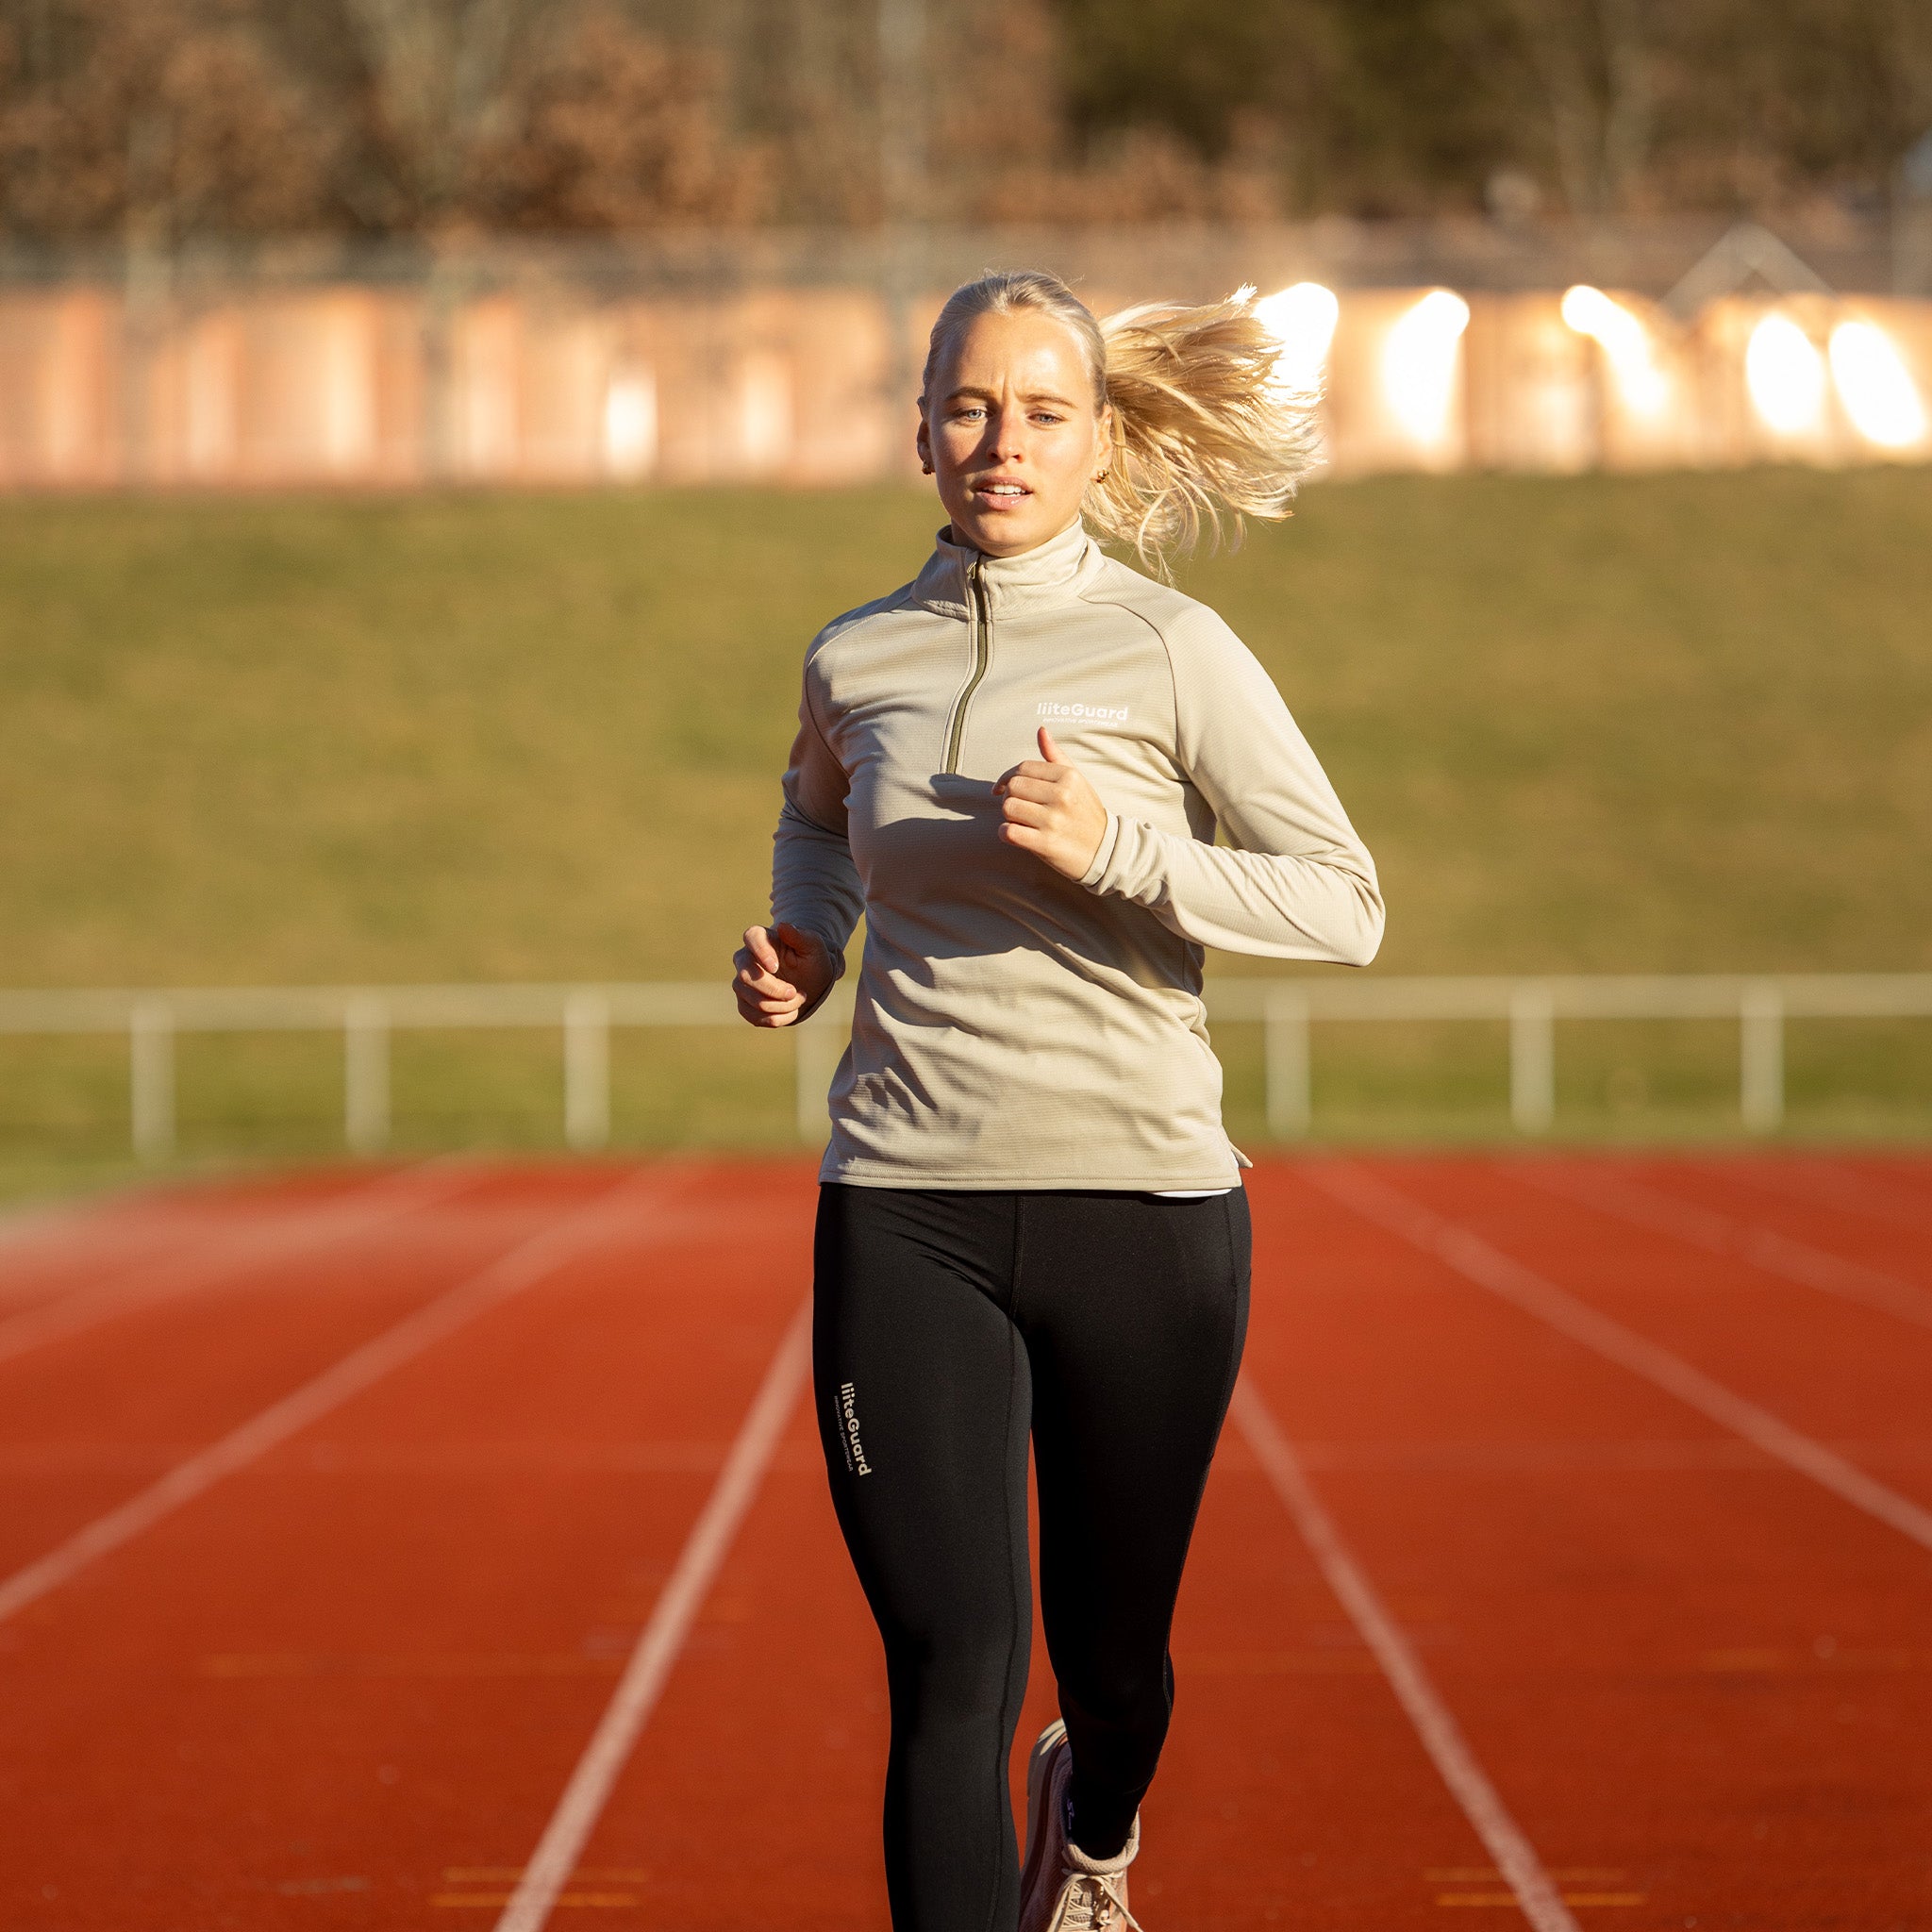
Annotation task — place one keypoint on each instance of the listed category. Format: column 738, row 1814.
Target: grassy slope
column 1676, row 722
column 1672, row 723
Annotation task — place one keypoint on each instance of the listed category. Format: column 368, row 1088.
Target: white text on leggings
column 855, row 1449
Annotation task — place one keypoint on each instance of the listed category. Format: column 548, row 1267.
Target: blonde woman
column 1031, row 1220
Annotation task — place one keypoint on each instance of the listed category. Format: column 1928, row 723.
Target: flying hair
column 1205, row 433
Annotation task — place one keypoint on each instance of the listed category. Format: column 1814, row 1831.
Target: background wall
column 516, row 368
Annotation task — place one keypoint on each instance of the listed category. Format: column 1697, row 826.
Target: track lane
column 308, row 1696
column 1715, row 1209
column 541, row 1888
column 225, row 1258
column 1487, row 1266
column 1293, row 1788
column 1852, row 1376
column 44, row 1252
column 1649, row 1638
column 1520, row 1869
column 752, row 1796
column 1857, row 1194
column 1211, row 1807
column 422, row 1329
column 163, row 1379
column 1901, row 1179
column 1692, row 1676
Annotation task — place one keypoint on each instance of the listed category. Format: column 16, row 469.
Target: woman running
column 1031, row 1220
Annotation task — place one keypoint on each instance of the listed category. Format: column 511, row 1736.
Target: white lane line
column 118, row 1230
column 368, row 1205
column 1475, row 1260
column 637, row 1693
column 1907, row 1195
column 613, row 1213
column 1847, row 1190
column 1745, row 1240
column 1441, row 1736
column 22, row 1225
column 146, row 1214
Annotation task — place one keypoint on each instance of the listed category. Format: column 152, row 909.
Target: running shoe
column 1061, row 1889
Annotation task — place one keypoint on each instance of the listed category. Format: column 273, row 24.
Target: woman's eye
column 1046, row 416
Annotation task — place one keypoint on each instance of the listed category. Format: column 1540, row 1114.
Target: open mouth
column 1001, row 491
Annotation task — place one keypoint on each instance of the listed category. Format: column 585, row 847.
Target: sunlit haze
column 1303, row 319
column 1785, row 373
column 1418, row 364
column 1875, row 388
column 1626, row 341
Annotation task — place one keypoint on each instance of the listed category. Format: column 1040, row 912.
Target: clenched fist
column 1051, row 810
column 779, row 973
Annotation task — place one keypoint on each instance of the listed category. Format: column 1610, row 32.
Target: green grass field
column 1679, row 723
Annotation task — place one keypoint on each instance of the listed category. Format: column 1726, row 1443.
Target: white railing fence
column 583, row 1016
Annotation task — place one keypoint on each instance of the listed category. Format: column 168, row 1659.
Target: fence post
column 1532, row 1058
column 587, row 1069
column 1285, row 1063
column 1761, row 1056
column 151, row 1079
column 365, row 1075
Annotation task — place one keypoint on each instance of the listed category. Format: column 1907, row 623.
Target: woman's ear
column 922, row 441
column 1103, row 436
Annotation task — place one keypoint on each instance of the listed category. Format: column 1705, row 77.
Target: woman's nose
column 1008, row 433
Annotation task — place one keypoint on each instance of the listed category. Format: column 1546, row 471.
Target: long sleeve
column 814, row 884
column 1295, row 882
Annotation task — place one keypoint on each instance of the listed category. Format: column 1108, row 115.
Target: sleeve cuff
column 1103, row 858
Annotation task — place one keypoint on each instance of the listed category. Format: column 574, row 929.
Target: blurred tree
column 1875, row 58
column 1007, row 147
column 536, row 113
column 163, row 119
column 175, row 117
column 618, row 131
column 1379, row 106
column 1594, row 73
column 799, row 81
column 1191, row 66
column 1369, row 106
column 440, row 89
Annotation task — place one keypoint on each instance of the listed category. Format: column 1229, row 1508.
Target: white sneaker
column 1061, row 1889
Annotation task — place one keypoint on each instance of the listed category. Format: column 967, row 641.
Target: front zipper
column 980, row 622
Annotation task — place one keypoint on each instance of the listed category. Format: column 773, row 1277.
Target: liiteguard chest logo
column 1054, row 711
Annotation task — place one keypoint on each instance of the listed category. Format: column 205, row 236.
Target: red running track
column 447, row 1432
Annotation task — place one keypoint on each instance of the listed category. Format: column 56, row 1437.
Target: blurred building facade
column 794, row 359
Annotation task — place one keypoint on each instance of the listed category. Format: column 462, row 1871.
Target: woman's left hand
column 1051, row 811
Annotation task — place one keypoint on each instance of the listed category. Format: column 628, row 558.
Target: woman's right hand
column 779, row 973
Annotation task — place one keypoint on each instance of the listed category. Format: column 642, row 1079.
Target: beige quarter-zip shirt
column 1014, row 1028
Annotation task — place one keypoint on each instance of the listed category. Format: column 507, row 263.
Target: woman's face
column 1012, row 432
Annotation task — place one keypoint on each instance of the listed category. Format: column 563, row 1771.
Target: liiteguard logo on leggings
column 848, row 1417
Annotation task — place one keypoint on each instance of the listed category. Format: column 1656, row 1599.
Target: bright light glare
column 1302, row 320
column 1785, row 374
column 1877, row 390
column 630, row 423
column 1418, row 361
column 1625, row 343
column 764, row 409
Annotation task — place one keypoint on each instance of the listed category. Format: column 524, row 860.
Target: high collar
column 1051, row 572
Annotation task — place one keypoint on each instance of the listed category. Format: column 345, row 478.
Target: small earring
column 925, row 469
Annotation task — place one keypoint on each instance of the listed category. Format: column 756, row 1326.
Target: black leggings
column 946, row 1322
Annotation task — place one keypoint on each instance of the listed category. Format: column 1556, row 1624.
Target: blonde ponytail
column 1205, row 432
